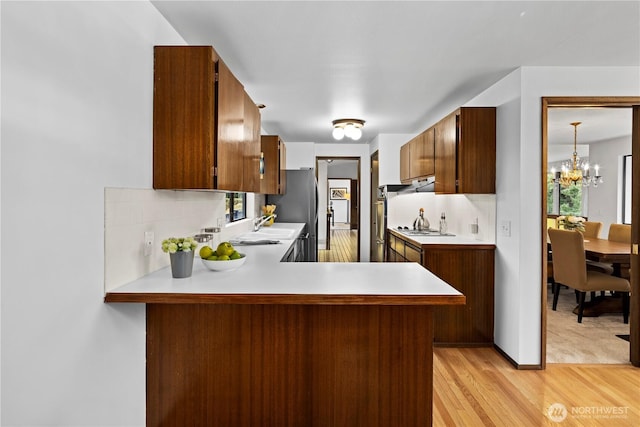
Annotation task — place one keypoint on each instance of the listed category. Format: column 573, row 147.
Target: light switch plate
column 505, row 228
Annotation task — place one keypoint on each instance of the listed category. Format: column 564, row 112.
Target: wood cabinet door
column 422, row 162
column 470, row 271
column 477, row 150
column 183, row 117
column 282, row 179
column 405, row 164
column 271, row 151
column 252, row 146
column 446, row 138
column 230, row 131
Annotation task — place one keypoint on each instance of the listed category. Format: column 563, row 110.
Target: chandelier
column 574, row 171
column 351, row 128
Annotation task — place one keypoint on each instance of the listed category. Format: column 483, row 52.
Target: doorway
column 632, row 103
column 339, row 221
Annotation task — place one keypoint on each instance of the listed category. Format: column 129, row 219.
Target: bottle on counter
column 420, row 223
column 443, row 224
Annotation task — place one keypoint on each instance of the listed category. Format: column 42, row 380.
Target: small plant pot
column 181, row 264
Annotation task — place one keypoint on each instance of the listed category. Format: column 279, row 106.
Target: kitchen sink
column 268, row 233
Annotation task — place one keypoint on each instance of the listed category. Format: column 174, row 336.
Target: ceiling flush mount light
column 574, row 171
column 351, row 128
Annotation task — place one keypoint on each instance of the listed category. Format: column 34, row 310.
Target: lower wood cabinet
column 469, row 269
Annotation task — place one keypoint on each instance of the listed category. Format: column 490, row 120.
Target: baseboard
column 462, row 344
column 514, row 363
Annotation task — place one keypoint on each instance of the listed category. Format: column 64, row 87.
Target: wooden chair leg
column 625, row 307
column 556, row 291
column 577, row 297
column 581, row 305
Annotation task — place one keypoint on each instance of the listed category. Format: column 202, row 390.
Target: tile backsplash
column 461, row 211
column 129, row 213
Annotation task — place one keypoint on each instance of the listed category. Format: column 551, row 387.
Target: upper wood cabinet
column 405, row 164
column 422, row 155
column 417, row 157
column 465, row 151
column 274, row 151
column 206, row 130
column 252, row 147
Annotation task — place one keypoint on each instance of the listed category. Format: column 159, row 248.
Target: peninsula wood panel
column 183, row 114
column 289, row 365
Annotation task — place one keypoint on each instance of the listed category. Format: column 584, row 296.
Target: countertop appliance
column 300, row 204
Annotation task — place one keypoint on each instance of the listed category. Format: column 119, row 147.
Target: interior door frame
column 596, row 102
column 359, row 178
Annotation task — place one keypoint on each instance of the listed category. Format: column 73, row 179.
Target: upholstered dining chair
column 570, row 269
column 592, row 229
column 620, row 233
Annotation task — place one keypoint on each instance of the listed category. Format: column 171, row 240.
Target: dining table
column 618, row 254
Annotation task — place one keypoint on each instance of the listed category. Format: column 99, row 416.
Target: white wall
column 605, row 201
column 77, row 82
column 519, row 148
column 340, row 207
column 300, row 155
column 129, row 213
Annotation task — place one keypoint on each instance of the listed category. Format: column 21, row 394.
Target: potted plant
column 180, row 250
column 571, row 222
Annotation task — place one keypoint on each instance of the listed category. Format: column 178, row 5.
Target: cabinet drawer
column 412, row 254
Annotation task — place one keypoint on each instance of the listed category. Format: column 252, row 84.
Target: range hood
column 425, row 186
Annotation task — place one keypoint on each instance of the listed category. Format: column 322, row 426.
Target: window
column 626, row 189
column 235, row 208
column 569, row 200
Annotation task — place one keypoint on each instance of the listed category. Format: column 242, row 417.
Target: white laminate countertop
column 443, row 240
column 263, row 279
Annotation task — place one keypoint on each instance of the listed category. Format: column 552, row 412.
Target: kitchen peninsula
column 276, row 343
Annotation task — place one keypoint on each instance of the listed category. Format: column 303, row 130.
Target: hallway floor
column 343, row 245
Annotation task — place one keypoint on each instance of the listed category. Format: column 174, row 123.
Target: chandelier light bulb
column 356, row 134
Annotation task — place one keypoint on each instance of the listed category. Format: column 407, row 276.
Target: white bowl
column 224, row 265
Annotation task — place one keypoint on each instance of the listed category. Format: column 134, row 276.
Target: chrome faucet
column 260, row 221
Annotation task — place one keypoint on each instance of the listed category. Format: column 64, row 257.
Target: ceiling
column 397, row 64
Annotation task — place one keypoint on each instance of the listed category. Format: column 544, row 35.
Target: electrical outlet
column 148, row 243
column 505, row 228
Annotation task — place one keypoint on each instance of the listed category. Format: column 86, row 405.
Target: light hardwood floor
column 478, row 387
column 343, row 246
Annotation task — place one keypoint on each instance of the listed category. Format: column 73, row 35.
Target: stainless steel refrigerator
column 300, row 204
